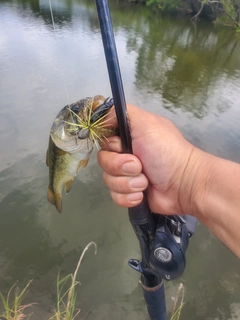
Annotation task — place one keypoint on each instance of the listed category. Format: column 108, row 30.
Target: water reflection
column 189, row 75
column 184, row 65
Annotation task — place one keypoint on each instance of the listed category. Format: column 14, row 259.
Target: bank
column 225, row 12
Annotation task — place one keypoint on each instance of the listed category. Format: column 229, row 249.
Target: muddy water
column 189, row 75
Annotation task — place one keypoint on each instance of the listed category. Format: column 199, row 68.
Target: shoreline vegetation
column 65, row 309
column 224, row 12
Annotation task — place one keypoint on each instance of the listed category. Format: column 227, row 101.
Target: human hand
column 163, row 164
column 176, row 177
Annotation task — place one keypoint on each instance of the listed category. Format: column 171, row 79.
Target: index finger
column 117, row 164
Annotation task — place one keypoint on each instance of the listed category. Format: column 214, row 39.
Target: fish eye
column 75, row 108
column 83, row 133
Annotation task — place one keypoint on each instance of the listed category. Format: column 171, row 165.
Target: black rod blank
column 140, row 216
column 114, row 73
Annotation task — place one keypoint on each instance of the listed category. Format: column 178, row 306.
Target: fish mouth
column 95, row 117
column 101, row 110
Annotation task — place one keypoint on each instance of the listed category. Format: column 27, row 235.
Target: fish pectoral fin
column 82, row 164
column 68, row 185
column 55, row 199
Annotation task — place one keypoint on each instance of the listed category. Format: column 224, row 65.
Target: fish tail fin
column 55, row 199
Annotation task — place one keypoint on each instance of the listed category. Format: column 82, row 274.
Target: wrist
column 195, row 181
column 212, row 191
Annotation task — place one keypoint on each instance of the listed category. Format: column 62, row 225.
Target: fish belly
column 63, row 167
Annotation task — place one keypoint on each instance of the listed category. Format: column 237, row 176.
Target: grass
column 177, row 308
column 14, row 309
column 66, row 298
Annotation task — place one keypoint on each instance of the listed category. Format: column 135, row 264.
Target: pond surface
column 188, row 74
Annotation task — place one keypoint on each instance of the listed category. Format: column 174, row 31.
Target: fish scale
column 71, row 143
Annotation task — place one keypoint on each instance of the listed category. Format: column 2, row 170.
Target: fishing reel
column 164, row 253
column 167, row 255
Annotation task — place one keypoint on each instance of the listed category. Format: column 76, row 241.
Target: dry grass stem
column 177, row 310
column 66, row 297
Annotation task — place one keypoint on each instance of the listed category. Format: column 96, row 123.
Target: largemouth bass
column 72, row 136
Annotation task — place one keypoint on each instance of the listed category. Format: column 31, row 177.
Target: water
column 188, row 74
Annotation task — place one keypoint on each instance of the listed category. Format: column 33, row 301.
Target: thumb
column 132, row 113
column 136, row 119
column 111, row 119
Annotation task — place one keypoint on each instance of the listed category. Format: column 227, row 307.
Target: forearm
column 217, row 204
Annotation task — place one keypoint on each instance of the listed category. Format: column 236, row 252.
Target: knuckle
column 119, row 199
column 126, row 200
column 101, row 157
column 117, row 184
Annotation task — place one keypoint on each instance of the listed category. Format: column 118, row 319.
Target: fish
column 72, row 136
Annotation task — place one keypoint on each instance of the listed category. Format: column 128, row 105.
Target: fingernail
column 130, row 167
column 134, row 197
column 138, row 182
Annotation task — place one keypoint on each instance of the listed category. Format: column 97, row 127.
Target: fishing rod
column 163, row 240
